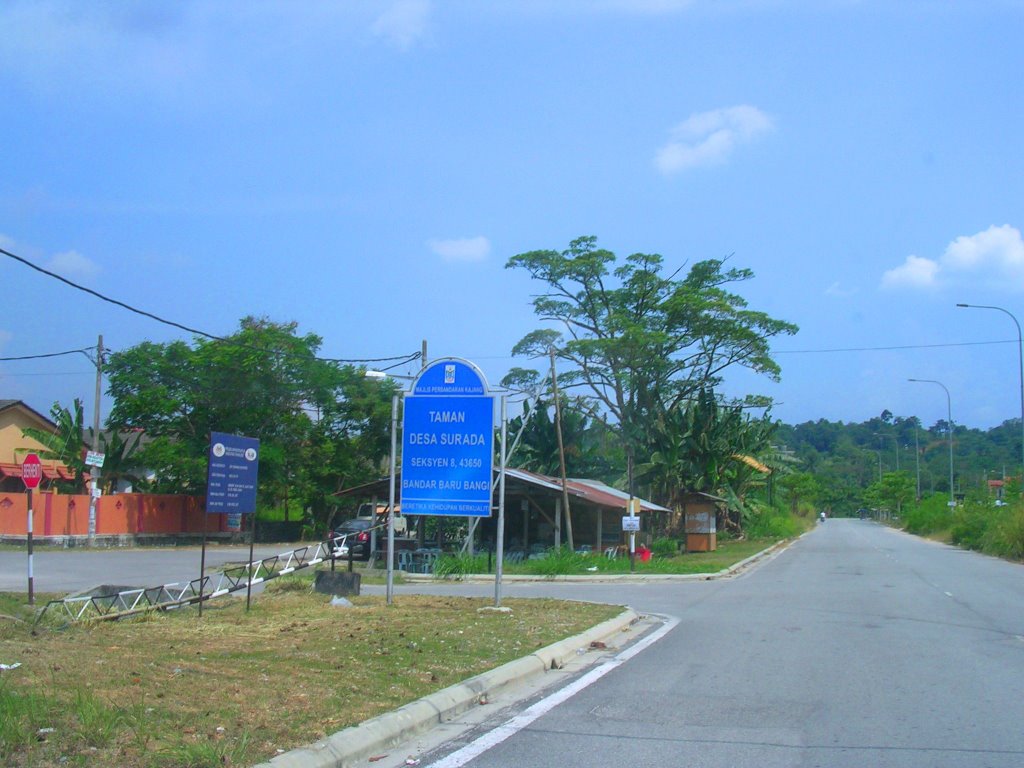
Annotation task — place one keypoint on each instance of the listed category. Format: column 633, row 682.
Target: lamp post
column 949, row 426
column 1020, row 362
column 880, row 436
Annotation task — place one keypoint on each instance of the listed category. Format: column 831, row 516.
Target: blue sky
column 367, row 168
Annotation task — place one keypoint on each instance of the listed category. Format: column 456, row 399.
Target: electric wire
column 890, row 348
column 84, row 351
column 402, row 359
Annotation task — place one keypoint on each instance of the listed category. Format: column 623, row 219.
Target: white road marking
column 493, row 738
column 949, row 594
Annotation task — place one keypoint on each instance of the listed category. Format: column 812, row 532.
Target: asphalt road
column 74, row 570
column 857, row 647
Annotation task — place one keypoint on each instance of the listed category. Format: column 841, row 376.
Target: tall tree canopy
column 641, row 342
column 321, row 425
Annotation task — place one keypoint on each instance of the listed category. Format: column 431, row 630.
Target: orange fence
column 124, row 513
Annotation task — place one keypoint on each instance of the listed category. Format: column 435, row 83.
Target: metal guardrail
column 180, row 594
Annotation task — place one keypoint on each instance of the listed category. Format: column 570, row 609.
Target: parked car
column 353, row 533
column 366, row 511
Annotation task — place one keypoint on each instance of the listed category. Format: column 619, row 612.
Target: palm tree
column 65, row 445
column 120, row 463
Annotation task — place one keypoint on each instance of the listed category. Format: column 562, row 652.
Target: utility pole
column 94, row 471
column 561, row 451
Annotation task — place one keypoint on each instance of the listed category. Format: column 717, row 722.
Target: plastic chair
column 405, row 561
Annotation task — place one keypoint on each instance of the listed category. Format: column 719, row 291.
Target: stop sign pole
column 31, row 473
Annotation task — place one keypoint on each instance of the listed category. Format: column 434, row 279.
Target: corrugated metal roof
column 605, row 495
column 592, row 491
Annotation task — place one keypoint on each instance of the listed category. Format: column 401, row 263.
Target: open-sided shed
column 534, row 515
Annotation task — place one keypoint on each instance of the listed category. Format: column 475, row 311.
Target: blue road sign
column 448, row 443
column 450, row 377
column 231, row 473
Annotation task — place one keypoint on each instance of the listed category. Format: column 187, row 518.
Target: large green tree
column 643, row 343
column 320, row 424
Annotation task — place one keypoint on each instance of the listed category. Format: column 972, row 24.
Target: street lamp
column 949, row 426
column 1020, row 359
column 880, row 436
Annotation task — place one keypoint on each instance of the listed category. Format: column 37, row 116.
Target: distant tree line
column 845, row 460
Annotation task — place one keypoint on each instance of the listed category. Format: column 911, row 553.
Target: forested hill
column 849, row 457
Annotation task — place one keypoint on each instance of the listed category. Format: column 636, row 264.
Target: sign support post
column 447, row 443
column 500, row 536
column 31, row 474
column 391, row 504
column 31, row 592
column 231, row 472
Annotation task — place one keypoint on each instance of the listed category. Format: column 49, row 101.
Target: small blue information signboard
column 448, row 442
column 231, row 474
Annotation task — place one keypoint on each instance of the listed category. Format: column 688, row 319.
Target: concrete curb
column 635, row 578
column 351, row 746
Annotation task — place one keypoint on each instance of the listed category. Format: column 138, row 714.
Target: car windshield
column 355, row 525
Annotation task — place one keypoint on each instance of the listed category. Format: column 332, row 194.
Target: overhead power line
column 401, row 359
column 888, row 349
column 48, row 354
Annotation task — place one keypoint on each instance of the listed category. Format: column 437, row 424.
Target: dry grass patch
column 232, row 688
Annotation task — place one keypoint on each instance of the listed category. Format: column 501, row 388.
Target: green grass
column 564, row 562
column 232, row 688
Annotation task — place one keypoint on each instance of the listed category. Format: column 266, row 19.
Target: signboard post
column 31, row 474
column 448, row 442
column 447, row 445
column 232, row 470
column 634, row 525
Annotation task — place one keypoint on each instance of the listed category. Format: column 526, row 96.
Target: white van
column 366, row 512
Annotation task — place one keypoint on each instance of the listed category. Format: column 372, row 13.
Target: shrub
column 929, row 515
column 771, row 524
column 557, row 562
column 969, row 525
column 459, row 565
column 665, row 547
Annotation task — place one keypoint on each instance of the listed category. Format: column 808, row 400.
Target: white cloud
column 404, row 23
column 73, row 264
column 915, row 272
column 465, row 250
column 6, row 242
column 707, row 138
column 992, row 259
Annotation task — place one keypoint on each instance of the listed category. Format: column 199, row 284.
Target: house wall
column 12, row 421
column 14, row 446
column 120, row 514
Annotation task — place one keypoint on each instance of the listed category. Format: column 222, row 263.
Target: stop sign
column 31, row 471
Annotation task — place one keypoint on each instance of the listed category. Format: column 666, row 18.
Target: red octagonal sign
column 31, row 471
